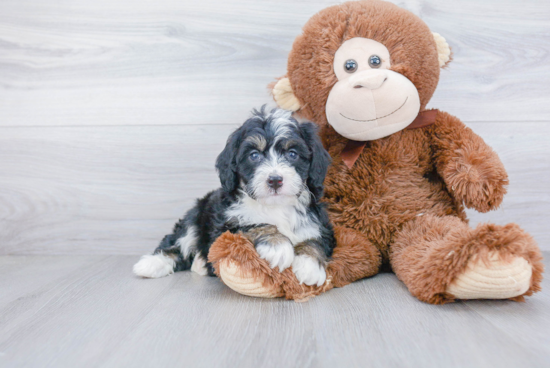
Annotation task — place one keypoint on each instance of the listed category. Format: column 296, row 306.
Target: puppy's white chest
column 294, row 224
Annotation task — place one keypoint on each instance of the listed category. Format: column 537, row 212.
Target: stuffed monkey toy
column 401, row 175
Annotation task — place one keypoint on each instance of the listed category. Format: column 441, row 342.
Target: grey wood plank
column 34, row 283
column 17, row 279
column 118, row 190
column 91, row 310
column 95, row 188
column 104, row 316
column 379, row 315
column 165, row 62
column 529, row 328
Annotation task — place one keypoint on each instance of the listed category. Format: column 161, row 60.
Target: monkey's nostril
column 358, row 86
column 275, row 182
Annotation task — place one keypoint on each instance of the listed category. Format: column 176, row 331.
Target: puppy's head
column 274, row 159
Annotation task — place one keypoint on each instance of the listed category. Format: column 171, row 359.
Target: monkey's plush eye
column 350, row 66
column 254, row 156
column 375, row 61
column 292, row 154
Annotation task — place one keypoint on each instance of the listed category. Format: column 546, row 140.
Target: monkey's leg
column 354, row 257
column 239, row 266
column 441, row 259
column 237, row 263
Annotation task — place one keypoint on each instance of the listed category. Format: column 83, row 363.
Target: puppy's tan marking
column 266, row 234
column 310, row 248
column 258, row 141
column 289, row 143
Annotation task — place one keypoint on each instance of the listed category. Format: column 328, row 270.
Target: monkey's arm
column 472, row 171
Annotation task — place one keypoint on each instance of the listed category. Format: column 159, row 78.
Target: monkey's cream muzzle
column 372, row 104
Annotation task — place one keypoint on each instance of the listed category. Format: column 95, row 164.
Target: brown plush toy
column 401, row 175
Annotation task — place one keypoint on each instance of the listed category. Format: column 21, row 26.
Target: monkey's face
column 367, row 68
column 369, row 101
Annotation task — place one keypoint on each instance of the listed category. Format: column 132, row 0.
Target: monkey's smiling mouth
column 381, row 117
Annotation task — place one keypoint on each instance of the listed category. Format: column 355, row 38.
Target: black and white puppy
column 272, row 171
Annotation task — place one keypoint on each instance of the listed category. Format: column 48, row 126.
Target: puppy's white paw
column 308, row 270
column 154, row 266
column 280, row 254
column 199, row 266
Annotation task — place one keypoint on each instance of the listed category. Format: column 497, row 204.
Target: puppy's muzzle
column 275, row 182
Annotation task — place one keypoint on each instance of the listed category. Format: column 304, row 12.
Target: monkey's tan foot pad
column 494, row 278
column 237, row 263
column 233, row 277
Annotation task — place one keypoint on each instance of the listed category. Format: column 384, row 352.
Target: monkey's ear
column 284, row 96
column 443, row 50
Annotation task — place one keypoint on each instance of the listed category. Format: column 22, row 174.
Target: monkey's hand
column 472, row 171
column 476, row 178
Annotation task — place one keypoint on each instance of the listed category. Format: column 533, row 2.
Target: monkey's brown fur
column 403, row 200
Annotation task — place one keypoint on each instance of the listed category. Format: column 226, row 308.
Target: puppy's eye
column 255, row 156
column 350, row 66
column 292, row 154
column 375, row 61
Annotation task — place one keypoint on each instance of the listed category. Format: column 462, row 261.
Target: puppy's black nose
column 275, row 182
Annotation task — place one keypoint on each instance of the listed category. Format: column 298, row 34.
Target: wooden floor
column 90, row 311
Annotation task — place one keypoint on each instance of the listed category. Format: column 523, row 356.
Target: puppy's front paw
column 309, row 270
column 276, row 254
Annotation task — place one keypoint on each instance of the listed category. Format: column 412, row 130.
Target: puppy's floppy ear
column 226, row 164
column 320, row 159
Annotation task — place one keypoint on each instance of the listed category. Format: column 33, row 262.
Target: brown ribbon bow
column 353, row 149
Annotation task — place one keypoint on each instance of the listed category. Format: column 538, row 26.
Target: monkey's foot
column 240, row 267
column 232, row 276
column 493, row 278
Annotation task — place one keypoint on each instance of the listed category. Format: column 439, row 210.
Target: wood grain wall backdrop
column 112, row 112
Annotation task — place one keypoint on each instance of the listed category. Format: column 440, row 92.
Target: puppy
column 272, row 171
